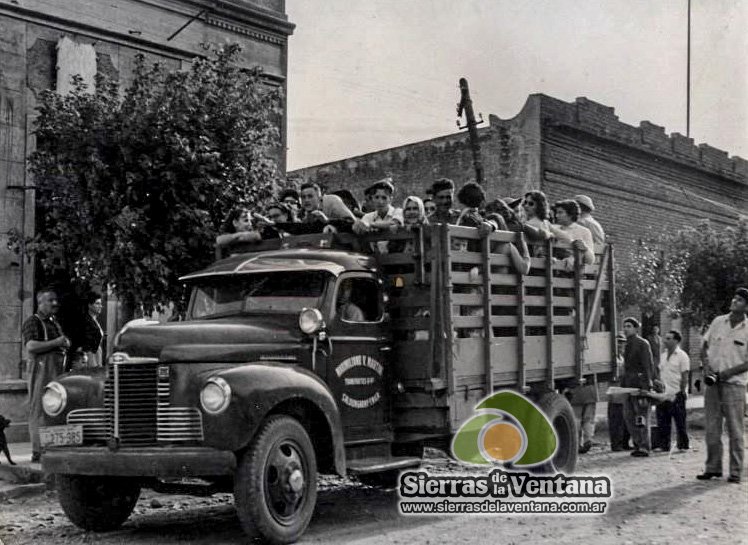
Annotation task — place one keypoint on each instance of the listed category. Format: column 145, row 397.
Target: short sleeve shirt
column 728, row 346
column 38, row 328
column 672, row 368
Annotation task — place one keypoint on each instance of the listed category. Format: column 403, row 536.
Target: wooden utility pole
column 466, row 105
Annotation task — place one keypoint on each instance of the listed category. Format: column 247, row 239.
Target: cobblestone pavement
column 656, row 500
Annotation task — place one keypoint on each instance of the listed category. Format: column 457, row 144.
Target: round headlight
column 215, row 395
column 54, row 399
column 310, row 320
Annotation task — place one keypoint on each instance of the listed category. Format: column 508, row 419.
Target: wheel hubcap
column 285, row 481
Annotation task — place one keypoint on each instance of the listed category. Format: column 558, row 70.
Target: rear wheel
column 559, row 412
column 275, row 487
column 97, row 503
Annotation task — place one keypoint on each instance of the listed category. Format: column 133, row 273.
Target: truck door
column 358, row 369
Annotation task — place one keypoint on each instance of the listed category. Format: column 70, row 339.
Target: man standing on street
column 46, row 346
column 637, row 374
column 674, row 367
column 725, row 359
column 619, row 434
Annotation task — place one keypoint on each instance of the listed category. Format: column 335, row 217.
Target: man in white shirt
column 316, row 207
column 674, row 367
column 385, row 217
column 724, row 355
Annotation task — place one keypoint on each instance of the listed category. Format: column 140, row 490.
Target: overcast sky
column 366, row 75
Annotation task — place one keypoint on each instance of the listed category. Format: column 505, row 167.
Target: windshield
column 276, row 292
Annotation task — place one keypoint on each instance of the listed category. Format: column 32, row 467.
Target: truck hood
column 225, row 339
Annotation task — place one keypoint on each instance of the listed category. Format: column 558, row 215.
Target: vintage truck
column 306, row 355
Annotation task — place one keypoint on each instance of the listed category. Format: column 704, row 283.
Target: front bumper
column 162, row 462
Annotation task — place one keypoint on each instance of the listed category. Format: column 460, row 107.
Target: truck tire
column 97, row 503
column 558, row 410
column 275, row 487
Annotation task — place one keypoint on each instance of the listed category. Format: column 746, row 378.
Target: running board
column 364, row 466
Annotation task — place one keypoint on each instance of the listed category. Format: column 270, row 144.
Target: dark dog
column 4, row 423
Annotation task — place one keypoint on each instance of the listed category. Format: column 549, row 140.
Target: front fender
column 259, row 388
column 85, row 390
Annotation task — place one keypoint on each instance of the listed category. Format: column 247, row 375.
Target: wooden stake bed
column 465, row 323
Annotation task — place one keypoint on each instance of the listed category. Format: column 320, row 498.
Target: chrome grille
column 130, row 398
column 95, row 422
column 179, row 424
column 138, row 410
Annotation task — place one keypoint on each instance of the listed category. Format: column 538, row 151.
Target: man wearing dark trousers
column 46, row 347
column 619, row 434
column 674, row 367
column 724, row 355
column 637, row 374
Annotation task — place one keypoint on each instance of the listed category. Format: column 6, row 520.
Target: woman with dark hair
column 567, row 228
column 504, row 218
column 237, row 228
column 535, row 207
column 91, row 332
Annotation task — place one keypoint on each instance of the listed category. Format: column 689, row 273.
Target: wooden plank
column 436, row 316
column 599, row 349
column 579, row 304
column 549, row 299
column 595, row 307
column 613, row 325
column 521, row 341
column 447, row 283
column 487, row 330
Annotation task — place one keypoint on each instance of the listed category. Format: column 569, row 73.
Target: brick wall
column 643, row 182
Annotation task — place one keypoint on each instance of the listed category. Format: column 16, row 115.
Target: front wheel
column 559, row 412
column 275, row 487
column 97, row 503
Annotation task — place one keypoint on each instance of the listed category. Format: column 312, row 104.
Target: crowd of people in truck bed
column 569, row 220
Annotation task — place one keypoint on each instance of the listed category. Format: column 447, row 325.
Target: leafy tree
column 653, row 280
column 132, row 189
column 694, row 272
column 714, row 260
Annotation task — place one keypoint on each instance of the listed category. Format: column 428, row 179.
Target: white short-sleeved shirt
column 395, row 214
column 672, row 367
column 728, row 346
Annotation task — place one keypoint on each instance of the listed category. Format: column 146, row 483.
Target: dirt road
column 656, row 500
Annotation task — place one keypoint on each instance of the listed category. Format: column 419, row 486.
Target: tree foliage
column 132, row 189
column 694, row 272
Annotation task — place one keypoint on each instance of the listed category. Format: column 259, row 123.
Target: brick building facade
column 30, row 32
column 642, row 181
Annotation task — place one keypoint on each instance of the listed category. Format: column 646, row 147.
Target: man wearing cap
column 586, row 207
column 444, row 194
column 724, row 355
column 385, row 216
column 637, row 373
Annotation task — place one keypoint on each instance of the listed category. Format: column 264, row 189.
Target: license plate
column 60, row 436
